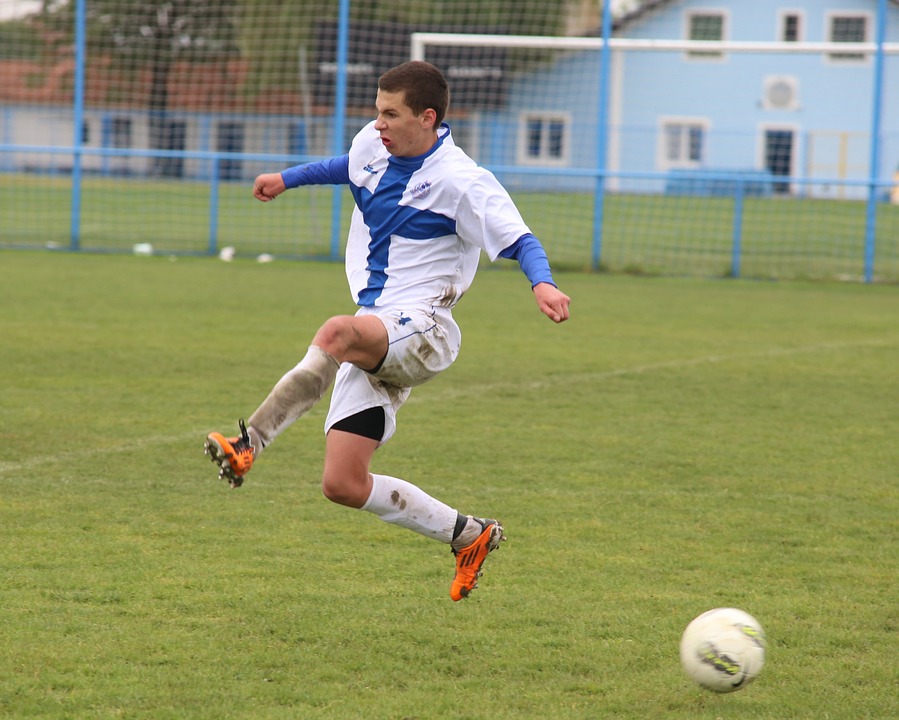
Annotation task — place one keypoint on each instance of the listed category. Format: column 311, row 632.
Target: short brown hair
column 423, row 84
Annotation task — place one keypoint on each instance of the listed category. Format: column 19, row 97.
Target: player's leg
column 353, row 435
column 358, row 339
column 361, row 340
column 347, row 480
column 293, row 395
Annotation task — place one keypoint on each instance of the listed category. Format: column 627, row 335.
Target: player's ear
column 429, row 118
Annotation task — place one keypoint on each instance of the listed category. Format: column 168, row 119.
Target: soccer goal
column 689, row 145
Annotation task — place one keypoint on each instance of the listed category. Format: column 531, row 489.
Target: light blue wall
column 727, row 93
column 569, row 86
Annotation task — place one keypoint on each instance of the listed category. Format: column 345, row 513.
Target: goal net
column 693, row 178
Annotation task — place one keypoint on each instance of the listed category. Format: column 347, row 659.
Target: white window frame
column 543, row 158
column 782, row 15
column 703, row 55
column 829, row 18
column 663, row 162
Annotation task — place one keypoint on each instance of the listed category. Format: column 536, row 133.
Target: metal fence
column 103, row 165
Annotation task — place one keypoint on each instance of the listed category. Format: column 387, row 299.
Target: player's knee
column 342, row 490
column 332, row 336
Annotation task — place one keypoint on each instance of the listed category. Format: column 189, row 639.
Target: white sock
column 292, row 396
column 401, row 503
column 473, row 528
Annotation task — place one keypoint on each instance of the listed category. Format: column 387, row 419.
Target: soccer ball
column 723, row 649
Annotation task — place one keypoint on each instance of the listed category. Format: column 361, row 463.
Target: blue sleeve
column 530, row 254
column 334, row 171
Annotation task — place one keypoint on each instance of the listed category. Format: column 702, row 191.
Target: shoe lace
column 243, row 444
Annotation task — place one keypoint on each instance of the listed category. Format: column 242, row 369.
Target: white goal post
column 421, row 40
column 423, row 44
column 689, row 128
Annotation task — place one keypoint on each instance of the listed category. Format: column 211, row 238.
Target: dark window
column 545, row 138
column 230, row 140
column 705, row 26
column 849, row 29
column 120, row 132
column 790, row 30
column 534, row 131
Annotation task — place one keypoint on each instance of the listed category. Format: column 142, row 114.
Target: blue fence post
column 343, row 41
column 736, row 253
column 602, row 134
column 214, row 205
column 78, row 122
column 874, row 169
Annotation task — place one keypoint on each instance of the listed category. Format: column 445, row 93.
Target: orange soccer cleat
column 470, row 559
column 234, row 456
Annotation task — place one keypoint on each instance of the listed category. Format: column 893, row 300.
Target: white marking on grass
column 443, row 394
column 27, row 464
column 479, row 388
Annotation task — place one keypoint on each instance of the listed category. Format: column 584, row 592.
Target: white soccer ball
column 723, row 649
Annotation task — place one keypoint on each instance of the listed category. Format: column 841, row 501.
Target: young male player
column 424, row 212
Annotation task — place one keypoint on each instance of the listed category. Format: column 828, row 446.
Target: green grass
column 642, row 234
column 678, row 445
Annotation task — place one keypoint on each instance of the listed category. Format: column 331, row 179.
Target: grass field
column 643, row 233
column 678, row 445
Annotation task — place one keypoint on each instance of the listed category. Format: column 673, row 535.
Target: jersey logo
column 404, row 319
column 422, row 190
column 369, row 169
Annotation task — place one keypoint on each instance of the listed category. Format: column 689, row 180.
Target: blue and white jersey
column 420, row 223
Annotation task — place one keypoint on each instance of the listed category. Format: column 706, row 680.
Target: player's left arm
column 552, row 302
column 531, row 256
column 487, row 216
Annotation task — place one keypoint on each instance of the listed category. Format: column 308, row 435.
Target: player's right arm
column 334, row 171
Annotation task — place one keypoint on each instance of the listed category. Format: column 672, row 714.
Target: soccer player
column 424, row 212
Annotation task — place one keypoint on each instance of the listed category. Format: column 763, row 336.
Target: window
column 230, row 140
column 707, row 26
column 849, row 29
column 543, row 139
column 120, row 132
column 682, row 143
column 779, row 149
column 790, row 26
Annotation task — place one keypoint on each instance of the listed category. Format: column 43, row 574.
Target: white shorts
column 421, row 343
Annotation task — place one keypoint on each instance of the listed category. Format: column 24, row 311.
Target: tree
column 154, row 35
column 272, row 33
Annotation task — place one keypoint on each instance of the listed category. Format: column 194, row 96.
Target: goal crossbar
column 420, row 40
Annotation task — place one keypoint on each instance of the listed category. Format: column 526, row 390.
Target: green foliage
column 273, row 35
column 678, row 445
column 19, row 40
column 545, row 18
column 160, row 31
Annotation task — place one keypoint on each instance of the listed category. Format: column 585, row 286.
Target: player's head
column 423, row 86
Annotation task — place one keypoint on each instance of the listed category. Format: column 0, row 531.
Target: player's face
column 403, row 133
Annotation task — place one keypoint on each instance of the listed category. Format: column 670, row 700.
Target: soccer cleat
column 470, row 559
column 234, row 456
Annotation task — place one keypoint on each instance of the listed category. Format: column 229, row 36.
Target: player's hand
column 268, row 186
column 552, row 302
